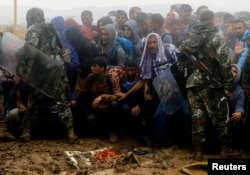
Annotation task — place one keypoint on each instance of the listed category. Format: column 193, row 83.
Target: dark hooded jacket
column 132, row 25
column 85, row 49
column 120, row 57
column 59, row 24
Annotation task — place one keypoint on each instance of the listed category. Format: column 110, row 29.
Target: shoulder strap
column 112, row 55
column 165, row 34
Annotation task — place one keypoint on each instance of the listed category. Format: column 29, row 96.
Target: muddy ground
column 42, row 157
column 45, row 157
column 89, row 156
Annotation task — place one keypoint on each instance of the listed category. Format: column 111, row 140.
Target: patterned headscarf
column 150, row 64
column 34, row 15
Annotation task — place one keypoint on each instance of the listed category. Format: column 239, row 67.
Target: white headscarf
column 146, row 60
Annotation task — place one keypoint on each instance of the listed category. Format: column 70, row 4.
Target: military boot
column 4, row 133
column 72, row 138
column 197, row 151
column 25, row 137
column 228, row 152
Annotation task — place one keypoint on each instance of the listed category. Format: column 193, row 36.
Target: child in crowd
column 131, row 108
column 237, row 109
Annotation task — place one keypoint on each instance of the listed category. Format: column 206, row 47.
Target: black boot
column 228, row 152
column 197, row 151
column 25, row 137
column 4, row 133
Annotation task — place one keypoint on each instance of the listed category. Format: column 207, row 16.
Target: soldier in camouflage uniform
column 206, row 91
column 39, row 36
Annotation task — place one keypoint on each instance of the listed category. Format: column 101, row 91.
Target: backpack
column 116, row 72
column 127, row 46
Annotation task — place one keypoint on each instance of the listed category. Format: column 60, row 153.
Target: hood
column 70, row 22
column 59, row 23
column 34, row 15
column 74, row 35
column 133, row 27
column 110, row 28
column 238, row 75
column 104, row 20
column 86, row 32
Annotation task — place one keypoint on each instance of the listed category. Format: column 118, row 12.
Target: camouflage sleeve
column 222, row 57
column 32, row 38
column 33, row 35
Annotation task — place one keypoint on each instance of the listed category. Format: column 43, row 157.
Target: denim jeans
column 161, row 118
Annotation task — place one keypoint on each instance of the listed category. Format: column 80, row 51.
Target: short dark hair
column 101, row 61
column 131, row 63
column 199, row 9
column 186, row 7
column 219, row 14
column 141, row 17
column 112, row 13
column 227, row 16
column 239, row 21
column 132, row 10
column 86, row 13
column 174, row 22
column 207, row 16
column 157, row 18
column 122, row 13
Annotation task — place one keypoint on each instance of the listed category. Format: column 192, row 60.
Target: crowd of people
column 178, row 80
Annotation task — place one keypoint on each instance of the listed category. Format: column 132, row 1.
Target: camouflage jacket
column 44, row 37
column 214, row 53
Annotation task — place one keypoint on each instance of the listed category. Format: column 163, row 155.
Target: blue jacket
column 237, row 100
column 59, row 24
column 243, row 55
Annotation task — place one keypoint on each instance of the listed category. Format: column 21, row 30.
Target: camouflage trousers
column 61, row 106
column 208, row 104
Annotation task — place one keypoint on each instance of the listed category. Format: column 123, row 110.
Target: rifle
column 200, row 65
